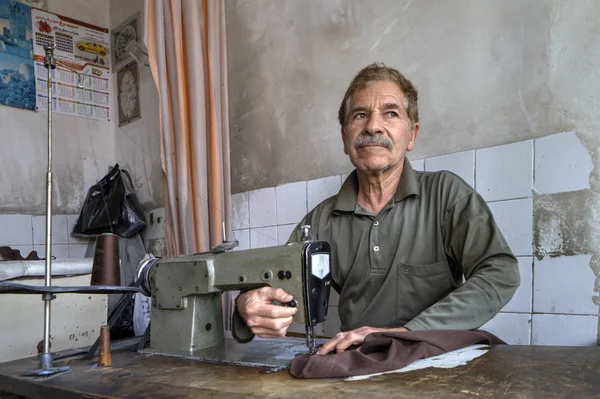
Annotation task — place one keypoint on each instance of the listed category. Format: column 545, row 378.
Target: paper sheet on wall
column 82, row 47
column 17, row 83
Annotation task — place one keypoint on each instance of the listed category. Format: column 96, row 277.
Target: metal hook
column 80, row 82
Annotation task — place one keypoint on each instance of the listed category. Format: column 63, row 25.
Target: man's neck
column 376, row 190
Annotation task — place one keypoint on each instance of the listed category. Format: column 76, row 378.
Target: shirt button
column 376, row 248
column 376, row 223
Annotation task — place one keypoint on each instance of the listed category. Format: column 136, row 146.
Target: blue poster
column 17, row 79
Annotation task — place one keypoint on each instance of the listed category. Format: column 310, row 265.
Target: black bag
column 111, row 206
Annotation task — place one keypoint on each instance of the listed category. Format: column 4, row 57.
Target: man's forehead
column 379, row 91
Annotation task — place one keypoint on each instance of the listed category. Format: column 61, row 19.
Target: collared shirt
column 405, row 265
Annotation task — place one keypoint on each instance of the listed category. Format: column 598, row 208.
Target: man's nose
column 374, row 124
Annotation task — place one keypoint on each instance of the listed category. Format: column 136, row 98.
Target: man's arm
column 474, row 244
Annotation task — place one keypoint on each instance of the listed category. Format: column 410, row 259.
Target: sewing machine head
column 186, row 312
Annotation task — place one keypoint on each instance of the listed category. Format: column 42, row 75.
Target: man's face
column 378, row 134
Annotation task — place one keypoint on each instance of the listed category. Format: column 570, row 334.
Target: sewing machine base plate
column 270, row 353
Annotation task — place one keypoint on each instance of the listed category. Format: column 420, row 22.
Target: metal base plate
column 14, row 288
column 260, row 352
column 46, row 372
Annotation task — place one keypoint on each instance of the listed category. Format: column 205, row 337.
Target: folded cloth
column 386, row 351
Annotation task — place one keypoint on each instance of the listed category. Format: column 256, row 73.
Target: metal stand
column 46, row 357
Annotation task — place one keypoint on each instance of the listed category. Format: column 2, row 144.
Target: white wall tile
column 59, row 251
column 564, row 330
column 60, row 229
column 263, row 237
column 283, row 232
column 71, row 220
column 78, row 251
column 243, row 238
column 521, row 301
column 418, row 164
column 515, row 220
column 564, row 285
column 16, row 230
column 321, row 189
column 240, row 214
column 460, row 163
column 262, row 207
column 505, row 172
column 513, row 328
column 155, row 224
column 291, row 202
column 562, row 163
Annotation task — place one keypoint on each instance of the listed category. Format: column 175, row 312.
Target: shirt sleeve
column 474, row 246
column 239, row 329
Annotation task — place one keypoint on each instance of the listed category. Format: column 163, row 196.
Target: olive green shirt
column 404, row 267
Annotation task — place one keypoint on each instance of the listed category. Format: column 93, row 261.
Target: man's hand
column 265, row 319
column 344, row 340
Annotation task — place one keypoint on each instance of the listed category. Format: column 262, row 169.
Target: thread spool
column 104, row 357
column 106, row 268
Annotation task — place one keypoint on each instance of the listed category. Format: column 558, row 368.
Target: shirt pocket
column 420, row 286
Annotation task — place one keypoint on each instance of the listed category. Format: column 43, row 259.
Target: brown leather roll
column 106, row 268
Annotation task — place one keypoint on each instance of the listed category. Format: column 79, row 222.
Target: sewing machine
column 186, row 312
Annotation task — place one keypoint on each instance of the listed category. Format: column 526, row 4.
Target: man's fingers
column 269, row 294
column 330, row 345
column 348, row 341
column 267, row 310
column 270, row 328
column 270, row 324
column 265, row 333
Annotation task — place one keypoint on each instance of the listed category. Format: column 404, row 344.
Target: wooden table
column 505, row 371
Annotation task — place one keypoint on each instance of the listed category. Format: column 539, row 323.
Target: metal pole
column 46, row 357
column 50, row 64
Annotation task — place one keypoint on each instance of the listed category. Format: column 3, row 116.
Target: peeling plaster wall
column 82, row 149
column 488, row 72
column 567, row 224
column 138, row 143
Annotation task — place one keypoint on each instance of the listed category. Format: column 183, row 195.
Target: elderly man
column 401, row 240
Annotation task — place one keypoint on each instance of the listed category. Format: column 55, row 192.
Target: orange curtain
column 187, row 52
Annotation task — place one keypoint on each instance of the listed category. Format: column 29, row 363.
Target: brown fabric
column 388, row 351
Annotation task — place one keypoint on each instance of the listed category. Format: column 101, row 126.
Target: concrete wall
column 83, row 149
column 137, row 144
column 489, row 74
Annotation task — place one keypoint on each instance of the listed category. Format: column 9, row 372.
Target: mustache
column 364, row 140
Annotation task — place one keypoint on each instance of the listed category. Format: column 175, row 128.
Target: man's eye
column 360, row 115
column 392, row 114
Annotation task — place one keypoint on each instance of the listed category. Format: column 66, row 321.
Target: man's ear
column 344, row 141
column 414, row 132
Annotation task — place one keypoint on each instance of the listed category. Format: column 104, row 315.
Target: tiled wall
column 553, row 305
column 28, row 233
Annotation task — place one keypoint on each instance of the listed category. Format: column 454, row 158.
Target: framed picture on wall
column 128, row 94
column 125, row 39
